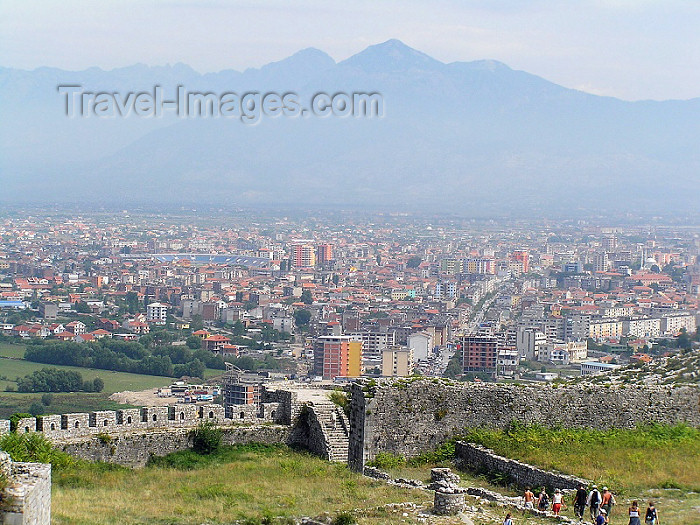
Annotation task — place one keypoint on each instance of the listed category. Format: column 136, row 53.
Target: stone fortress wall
column 63, row 427
column 409, row 417
column 131, row 436
column 28, row 492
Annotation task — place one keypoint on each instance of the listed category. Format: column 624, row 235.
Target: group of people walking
column 600, row 505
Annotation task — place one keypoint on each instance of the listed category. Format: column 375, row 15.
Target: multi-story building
column 397, row 361
column 479, row 353
column 324, row 253
column 422, row 345
column 672, row 324
column 480, row 265
column 528, row 342
column 642, row 327
column 337, row 356
column 374, row 342
column 157, row 313
column 523, row 257
column 508, row 359
column 451, row 266
column 601, row 329
column 303, row 255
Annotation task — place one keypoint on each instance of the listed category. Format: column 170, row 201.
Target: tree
column 46, row 399
column 81, row 307
column 454, row 366
column 683, row 340
column 98, row 385
column 197, row 323
column 193, row 342
column 36, row 409
column 238, row 328
column 306, row 297
column 414, row 262
column 302, row 317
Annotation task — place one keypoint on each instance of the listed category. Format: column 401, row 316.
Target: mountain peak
column 392, row 55
column 306, row 61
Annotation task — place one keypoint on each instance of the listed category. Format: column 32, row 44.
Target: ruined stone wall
column 28, row 493
column 480, row 459
column 411, row 417
column 307, row 432
column 135, row 448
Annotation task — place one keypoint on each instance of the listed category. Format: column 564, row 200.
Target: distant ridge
column 469, row 137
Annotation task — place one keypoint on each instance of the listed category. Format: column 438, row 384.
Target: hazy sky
column 632, row 49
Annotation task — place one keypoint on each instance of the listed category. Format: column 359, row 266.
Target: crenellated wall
column 409, row 417
column 131, row 436
column 62, row 427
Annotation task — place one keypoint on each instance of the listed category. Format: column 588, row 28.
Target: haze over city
column 368, row 263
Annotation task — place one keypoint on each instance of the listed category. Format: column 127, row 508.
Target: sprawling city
column 321, row 263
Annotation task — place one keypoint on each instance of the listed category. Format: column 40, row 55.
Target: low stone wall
column 136, row 448
column 473, row 457
column 28, row 493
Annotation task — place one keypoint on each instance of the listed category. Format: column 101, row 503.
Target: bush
column 46, row 399
column 34, row 447
column 51, row 380
column 341, row 399
column 344, row 518
column 36, row 409
column 14, row 418
column 206, row 438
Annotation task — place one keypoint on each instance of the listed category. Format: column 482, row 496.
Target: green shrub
column 206, row 438
column 387, row 460
column 344, row 518
column 341, row 399
column 14, row 419
column 34, row 447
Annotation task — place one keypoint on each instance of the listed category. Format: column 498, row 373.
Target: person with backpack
column 580, row 501
column 607, row 501
column 651, row 518
column 594, row 502
column 543, row 500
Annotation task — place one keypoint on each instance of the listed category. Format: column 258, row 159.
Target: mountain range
column 465, row 137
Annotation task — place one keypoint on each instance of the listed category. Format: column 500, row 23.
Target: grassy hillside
column 240, row 482
column 654, row 456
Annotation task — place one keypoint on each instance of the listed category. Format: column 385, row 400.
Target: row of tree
column 123, row 357
column 55, row 380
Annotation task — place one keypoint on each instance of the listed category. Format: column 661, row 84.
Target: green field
column 12, row 366
column 11, row 403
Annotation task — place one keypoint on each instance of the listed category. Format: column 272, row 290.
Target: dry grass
column 242, row 483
